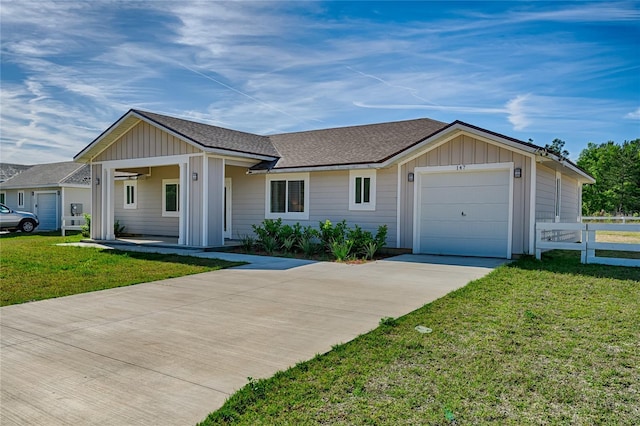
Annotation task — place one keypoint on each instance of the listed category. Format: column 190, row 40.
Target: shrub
column 308, row 247
column 341, row 249
column 370, row 250
column 248, row 242
column 86, row 228
column 330, row 233
column 118, row 229
column 269, row 244
column 288, row 243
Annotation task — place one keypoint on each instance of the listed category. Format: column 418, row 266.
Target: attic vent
column 86, row 179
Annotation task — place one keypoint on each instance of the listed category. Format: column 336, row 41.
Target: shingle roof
column 8, row 170
column 372, row 143
column 48, row 175
column 369, row 143
column 214, row 136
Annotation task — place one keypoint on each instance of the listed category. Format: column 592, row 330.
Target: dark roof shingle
column 371, row 143
column 214, row 136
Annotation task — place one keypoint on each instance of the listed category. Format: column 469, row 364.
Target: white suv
column 13, row 219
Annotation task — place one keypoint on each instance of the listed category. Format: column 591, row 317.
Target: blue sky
column 539, row 70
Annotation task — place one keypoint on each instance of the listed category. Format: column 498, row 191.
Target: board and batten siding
column 329, row 199
column 144, row 141
column 465, row 149
column 147, row 218
column 545, row 194
column 570, row 209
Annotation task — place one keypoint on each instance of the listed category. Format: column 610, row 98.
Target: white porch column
column 205, row 200
column 184, row 203
column 108, row 208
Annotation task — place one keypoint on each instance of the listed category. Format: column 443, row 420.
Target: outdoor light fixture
column 410, row 177
column 97, row 181
column 517, row 172
column 194, row 176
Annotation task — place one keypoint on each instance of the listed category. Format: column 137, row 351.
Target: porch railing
column 72, row 223
column 587, row 245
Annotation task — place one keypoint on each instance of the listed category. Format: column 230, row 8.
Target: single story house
column 443, row 188
column 50, row 191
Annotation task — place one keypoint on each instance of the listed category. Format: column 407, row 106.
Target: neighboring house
column 50, row 191
column 440, row 188
column 9, row 170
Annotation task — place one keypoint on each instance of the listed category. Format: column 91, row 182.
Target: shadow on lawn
column 568, row 262
column 174, row 258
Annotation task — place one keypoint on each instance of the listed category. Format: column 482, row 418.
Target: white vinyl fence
column 548, row 238
column 72, row 223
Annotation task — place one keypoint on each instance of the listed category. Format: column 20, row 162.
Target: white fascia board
column 168, row 160
column 367, row 166
column 76, row 185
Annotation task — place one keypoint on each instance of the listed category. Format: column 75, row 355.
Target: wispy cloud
column 71, row 68
column 634, row 115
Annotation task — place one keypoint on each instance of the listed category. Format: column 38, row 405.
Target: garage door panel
column 471, row 194
column 462, row 179
column 473, row 247
column 464, row 213
column 472, row 212
column 46, row 211
column 450, row 229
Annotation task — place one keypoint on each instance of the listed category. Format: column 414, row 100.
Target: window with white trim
column 362, row 190
column 170, row 197
column 3, row 197
column 287, row 196
column 130, row 194
column 558, row 199
column 20, row 198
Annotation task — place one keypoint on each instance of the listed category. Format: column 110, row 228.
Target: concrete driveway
column 169, row 352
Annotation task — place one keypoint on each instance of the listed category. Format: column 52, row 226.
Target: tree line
column 616, row 169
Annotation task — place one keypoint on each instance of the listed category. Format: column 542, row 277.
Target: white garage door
column 46, row 210
column 464, row 213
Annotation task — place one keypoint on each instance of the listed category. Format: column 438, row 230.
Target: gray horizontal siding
column 147, row 218
column 329, row 199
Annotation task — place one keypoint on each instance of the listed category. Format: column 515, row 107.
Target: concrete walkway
column 169, row 352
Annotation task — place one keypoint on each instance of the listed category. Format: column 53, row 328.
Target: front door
column 227, row 208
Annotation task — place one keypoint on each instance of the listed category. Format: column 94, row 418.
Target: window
column 130, row 194
column 558, row 196
column 362, row 190
column 20, row 198
column 287, row 196
column 170, row 197
column 3, row 197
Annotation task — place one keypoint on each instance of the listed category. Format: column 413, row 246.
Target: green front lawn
column 32, row 267
column 552, row 342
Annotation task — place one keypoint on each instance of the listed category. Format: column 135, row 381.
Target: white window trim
column 557, row 202
column 134, row 184
column 166, row 182
column 3, row 195
column 21, row 195
column 371, row 205
column 287, row 215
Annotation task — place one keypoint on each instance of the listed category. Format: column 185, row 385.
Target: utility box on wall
column 76, row 209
